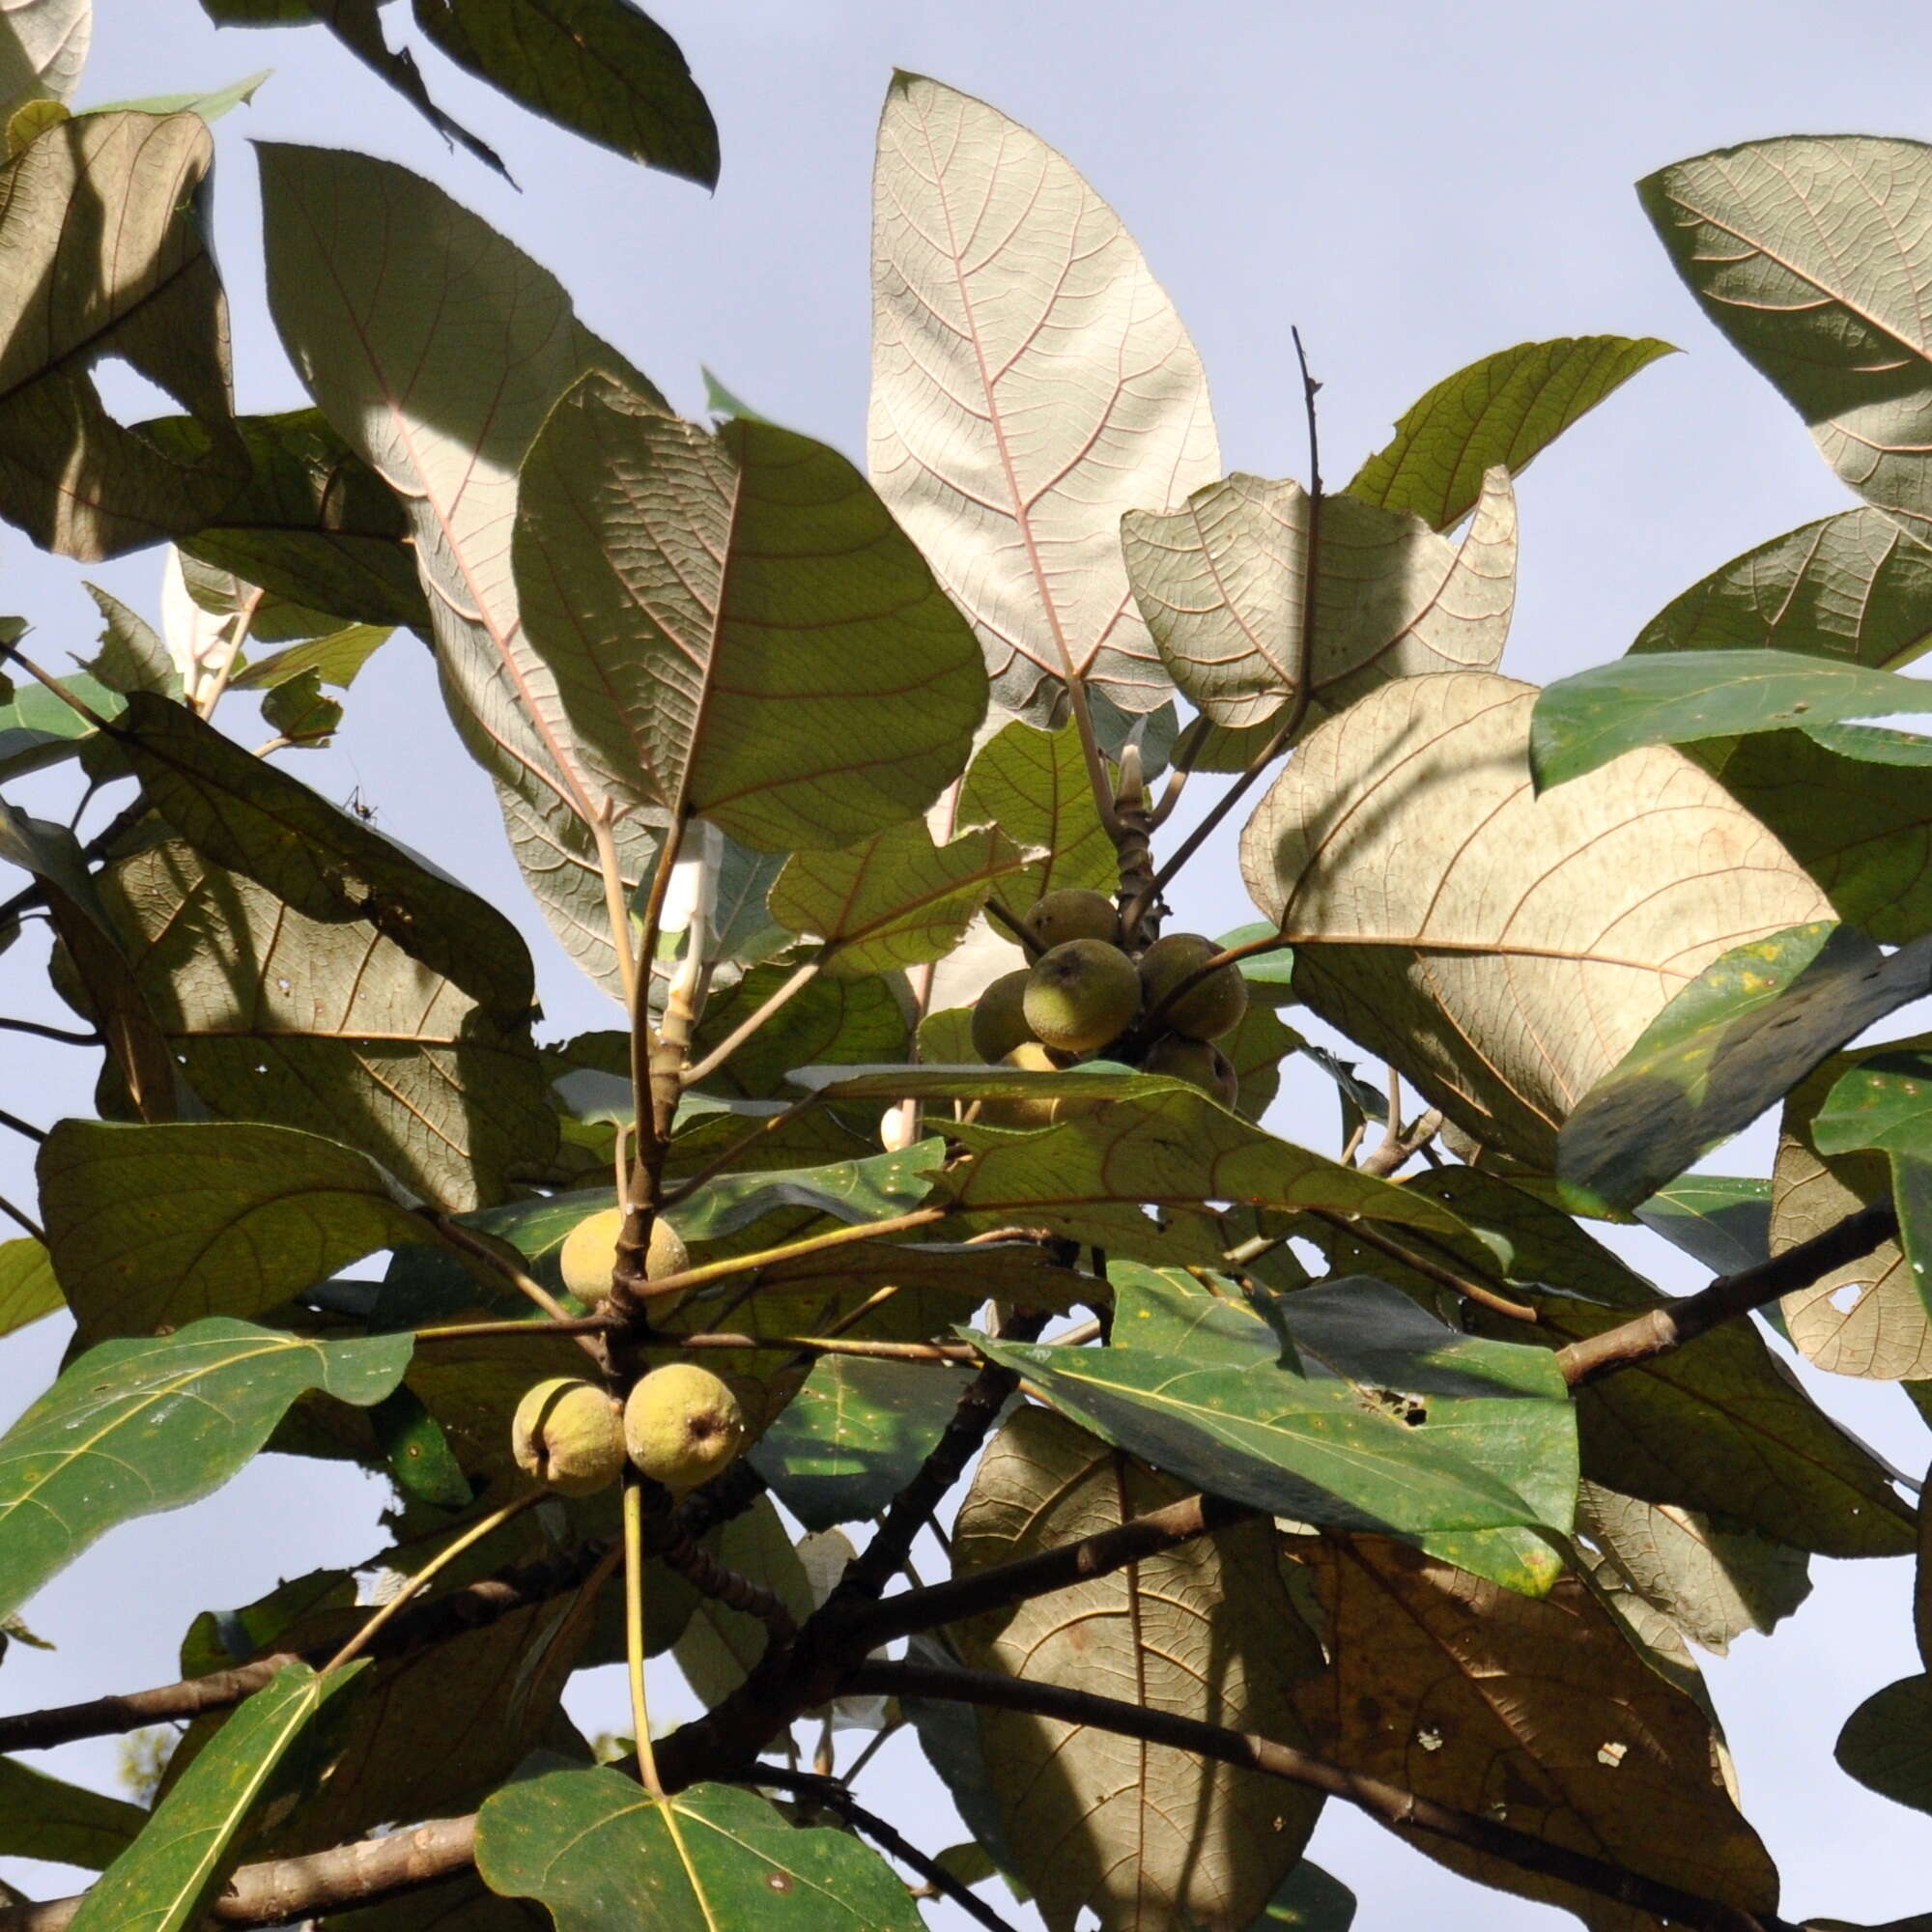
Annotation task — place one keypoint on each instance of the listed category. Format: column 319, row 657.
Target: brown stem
column 66, row 1035
column 740, row 1034
column 1016, row 929
column 1457, row 1284
column 943, row 1354
column 712, row 1578
column 833, row 1794
column 27, row 1220
column 1398, row 1145
column 1402, row 1811
column 25, row 1128
column 284, row 1891
column 1659, row 1330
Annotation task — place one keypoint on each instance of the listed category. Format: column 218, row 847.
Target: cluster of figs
column 680, row 1425
column 1087, row 994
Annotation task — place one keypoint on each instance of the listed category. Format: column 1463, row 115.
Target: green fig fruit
column 1081, row 995
column 568, row 1435
column 1208, row 1009
column 998, row 1017
column 1197, row 1062
column 683, row 1425
column 589, row 1253
column 1074, row 913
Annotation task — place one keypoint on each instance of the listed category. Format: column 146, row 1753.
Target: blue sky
column 1413, row 186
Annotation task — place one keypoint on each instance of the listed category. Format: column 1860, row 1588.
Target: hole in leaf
column 1847, row 1296
column 1611, row 1754
column 128, row 395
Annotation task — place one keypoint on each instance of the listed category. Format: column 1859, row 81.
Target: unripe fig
column 683, row 1426
column 1197, row 1062
column 569, row 1435
column 999, row 1018
column 1080, row 995
column 1207, row 1010
column 1074, row 914
column 1033, row 1058
column 590, row 1252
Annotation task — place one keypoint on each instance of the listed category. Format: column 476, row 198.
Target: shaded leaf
column 1714, row 1583
column 1145, row 1836
column 1502, row 410
column 444, row 414
column 734, row 626
column 299, row 712
column 605, row 1856
column 144, row 1425
column 42, row 1817
column 160, row 1224
column 1722, row 1220
column 165, row 1880
column 1221, row 585
column 600, row 67
column 1887, row 1743
column 331, row 1027
column 1736, row 1040
column 833, row 1020
column 1310, row 1900
column 1460, row 927
column 1806, row 253
column 854, row 1436
column 102, row 220
column 1033, row 785
column 1881, row 1103
column 1674, row 698
column 1393, row 1422
column 1853, row 587
column 1030, row 384
column 896, row 901
column 1539, row 1713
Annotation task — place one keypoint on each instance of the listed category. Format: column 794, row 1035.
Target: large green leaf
column 1503, row 950
column 1807, row 252
column 333, row 1028
column 1033, row 785
column 1881, row 1104
column 833, row 1019
column 42, row 1817
column 854, row 1436
column 1722, row 1220
column 897, row 900
column 1221, row 585
column 153, row 1225
column 37, row 728
column 1541, row 1711
column 1145, row 1836
column 1675, row 697
column 1155, row 1142
column 605, row 1856
column 1851, row 803
column 600, row 67
column 1481, row 1437
column 166, row 1879
column 1502, row 410
column 1887, row 1743
column 367, row 266
column 1870, row 1316
column 1031, row 383
column 44, row 46
column 1721, row 1427
column 1851, row 586
column 734, row 625
column 247, row 815
column 144, row 1425
column 28, row 1288
column 103, row 226
column 1733, row 1043
column 313, row 524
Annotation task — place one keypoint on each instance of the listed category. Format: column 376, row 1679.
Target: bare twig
column 1403, row 1812
column 66, row 1035
column 712, row 1578
column 1397, row 1147
column 27, row 1220
column 25, row 1128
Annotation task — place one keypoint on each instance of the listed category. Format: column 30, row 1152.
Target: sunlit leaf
column 833, row 1020
column 1807, row 253
column 1675, row 697
column 1730, row 1045
column 165, row 1880
column 106, row 241
column 1222, row 587
column 28, row 1288
column 605, row 1856
column 1502, row 410
column 44, row 46
column 1502, row 950
column 1033, row 785
column 1030, row 384
column 144, row 1425
column 1145, row 1836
